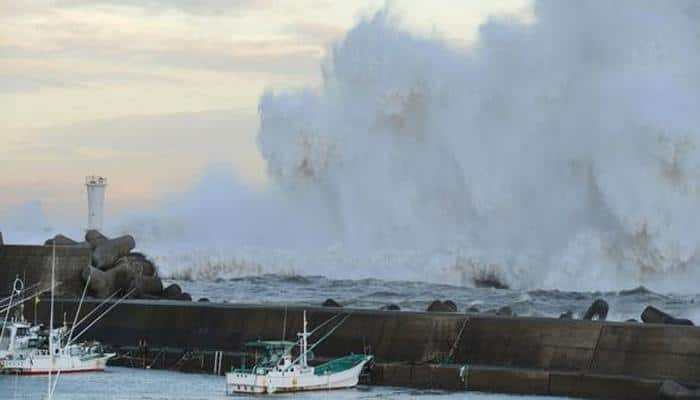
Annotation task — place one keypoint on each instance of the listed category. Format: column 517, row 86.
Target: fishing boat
column 278, row 371
column 17, row 334
column 66, row 358
column 30, row 351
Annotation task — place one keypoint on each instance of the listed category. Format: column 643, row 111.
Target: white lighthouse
column 96, row 197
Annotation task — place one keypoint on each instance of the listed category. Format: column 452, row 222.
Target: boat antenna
column 24, row 279
column 4, row 308
column 9, row 306
column 306, row 350
column 316, row 329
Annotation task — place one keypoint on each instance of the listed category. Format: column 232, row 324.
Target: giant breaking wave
column 559, row 153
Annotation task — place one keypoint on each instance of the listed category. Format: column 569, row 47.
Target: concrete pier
column 450, row 351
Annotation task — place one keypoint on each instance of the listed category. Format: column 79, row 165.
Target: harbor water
column 137, row 384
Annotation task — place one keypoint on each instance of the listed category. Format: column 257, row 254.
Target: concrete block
column 507, row 380
column 95, row 238
column 528, row 343
column 652, row 351
column 446, row 377
column 604, row 387
column 396, row 374
column 108, row 252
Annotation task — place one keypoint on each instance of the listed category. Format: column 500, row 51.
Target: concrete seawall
column 439, row 350
column 33, row 265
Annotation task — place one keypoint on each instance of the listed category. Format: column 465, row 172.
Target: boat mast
column 304, row 344
column 51, row 343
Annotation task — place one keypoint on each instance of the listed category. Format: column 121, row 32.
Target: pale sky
column 149, row 93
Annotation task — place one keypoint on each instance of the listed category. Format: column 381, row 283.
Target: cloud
column 197, row 7
column 315, row 32
column 76, row 46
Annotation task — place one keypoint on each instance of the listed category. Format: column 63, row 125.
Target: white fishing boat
column 277, row 371
column 17, row 334
column 66, row 358
column 29, row 352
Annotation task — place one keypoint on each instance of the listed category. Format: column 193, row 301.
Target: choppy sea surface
column 137, row 384
column 416, row 296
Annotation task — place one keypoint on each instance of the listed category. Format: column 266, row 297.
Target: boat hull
column 43, row 364
column 280, row 382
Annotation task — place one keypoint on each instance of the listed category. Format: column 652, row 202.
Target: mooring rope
column 102, row 315
column 457, row 340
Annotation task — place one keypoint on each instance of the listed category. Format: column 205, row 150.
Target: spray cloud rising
column 561, row 153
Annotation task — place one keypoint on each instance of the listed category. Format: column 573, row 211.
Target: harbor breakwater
column 520, row 355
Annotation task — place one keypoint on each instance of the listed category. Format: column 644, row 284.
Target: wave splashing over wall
column 561, row 152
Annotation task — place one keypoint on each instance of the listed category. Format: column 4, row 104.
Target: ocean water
column 137, row 384
column 416, row 296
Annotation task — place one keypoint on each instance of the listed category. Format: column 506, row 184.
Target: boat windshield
column 269, row 353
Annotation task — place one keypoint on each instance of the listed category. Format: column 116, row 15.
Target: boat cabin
column 18, row 336
column 271, row 355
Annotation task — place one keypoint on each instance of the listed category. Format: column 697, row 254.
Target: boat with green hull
column 276, row 370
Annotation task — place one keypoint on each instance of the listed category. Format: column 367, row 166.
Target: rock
column 632, row 320
column 122, row 278
column 566, row 315
column 105, row 283
column 173, row 291
column 184, row 296
column 108, row 252
column 331, row 303
column 599, row 310
column 473, row 310
column 652, row 315
column 203, row 300
column 99, row 285
column 61, row 240
column 95, row 238
column 146, row 286
column 139, row 263
column 442, row 306
column 390, row 307
column 671, row 390
column 451, row 304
